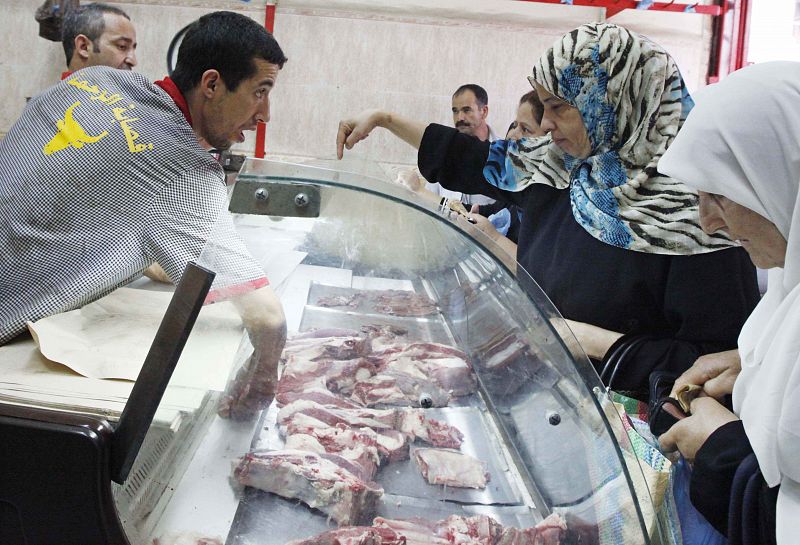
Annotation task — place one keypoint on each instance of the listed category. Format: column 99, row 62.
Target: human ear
column 210, row 83
column 82, row 46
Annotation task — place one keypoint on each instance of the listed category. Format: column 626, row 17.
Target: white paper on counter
column 111, row 337
column 28, row 378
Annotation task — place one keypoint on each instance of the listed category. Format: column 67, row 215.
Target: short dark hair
column 532, row 98
column 227, row 42
column 481, row 96
column 87, row 20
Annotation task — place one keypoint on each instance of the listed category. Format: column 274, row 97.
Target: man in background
column 470, row 110
column 98, row 35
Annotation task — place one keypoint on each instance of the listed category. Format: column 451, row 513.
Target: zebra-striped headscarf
column 633, row 101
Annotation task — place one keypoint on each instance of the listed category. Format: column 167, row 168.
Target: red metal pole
column 615, row 6
column 261, row 130
column 741, row 20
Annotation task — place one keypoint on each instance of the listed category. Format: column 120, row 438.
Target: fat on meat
column 454, row 530
column 452, row 374
column 187, row 538
column 336, row 375
column 451, row 468
column 321, row 481
column 392, row 445
column 354, row 535
column 359, row 446
column 403, row 303
column 417, row 531
column 393, row 388
column 411, row 422
column 318, row 394
column 417, row 350
column 313, row 348
column 416, row 425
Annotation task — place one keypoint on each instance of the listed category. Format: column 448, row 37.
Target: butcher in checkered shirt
column 103, row 175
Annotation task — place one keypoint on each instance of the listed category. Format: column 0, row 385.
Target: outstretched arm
column 356, row 129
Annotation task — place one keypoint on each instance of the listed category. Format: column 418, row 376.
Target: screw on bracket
column 301, row 200
column 262, row 194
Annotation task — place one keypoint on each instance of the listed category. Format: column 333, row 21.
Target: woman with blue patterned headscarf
column 615, row 245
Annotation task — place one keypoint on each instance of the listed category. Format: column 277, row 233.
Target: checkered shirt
column 100, row 177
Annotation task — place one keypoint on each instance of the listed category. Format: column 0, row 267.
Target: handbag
column 615, row 360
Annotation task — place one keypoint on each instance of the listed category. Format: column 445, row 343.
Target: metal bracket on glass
column 275, row 198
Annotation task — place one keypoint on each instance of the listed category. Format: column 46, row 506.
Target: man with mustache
column 470, row 110
column 98, row 35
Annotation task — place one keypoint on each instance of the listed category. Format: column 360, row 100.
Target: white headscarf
column 742, row 141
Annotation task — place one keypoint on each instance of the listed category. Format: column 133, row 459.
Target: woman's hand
column 355, row 129
column 716, row 373
column 689, row 434
column 485, row 226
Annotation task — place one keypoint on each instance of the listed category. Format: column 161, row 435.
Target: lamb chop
column 396, row 388
column 411, row 422
column 322, row 481
column 451, row 374
column 392, row 445
column 454, row 530
column 404, row 303
column 354, row 535
column 451, row 468
column 359, row 446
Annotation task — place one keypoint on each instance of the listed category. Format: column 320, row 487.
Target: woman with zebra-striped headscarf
column 615, row 245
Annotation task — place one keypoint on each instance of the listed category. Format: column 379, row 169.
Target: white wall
column 347, row 55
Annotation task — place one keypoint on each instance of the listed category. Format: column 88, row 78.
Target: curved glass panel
column 424, row 394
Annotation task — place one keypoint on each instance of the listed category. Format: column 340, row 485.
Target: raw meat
column 321, row 481
column 404, row 303
column 338, row 348
column 187, row 538
column 504, row 352
column 354, row 535
column 350, row 301
column 392, row 445
column 451, row 374
column 476, row 530
column 451, row 468
column 416, row 425
column 399, row 389
column 318, row 394
column 359, row 446
column 336, row 375
column 411, row 422
column 417, row 531
column 551, row 531
column 454, row 530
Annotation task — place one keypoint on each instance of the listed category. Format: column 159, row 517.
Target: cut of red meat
column 451, row 468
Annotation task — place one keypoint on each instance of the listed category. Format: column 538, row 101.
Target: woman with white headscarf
column 740, row 149
column 615, row 245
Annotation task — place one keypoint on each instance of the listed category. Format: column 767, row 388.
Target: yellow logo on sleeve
column 70, row 134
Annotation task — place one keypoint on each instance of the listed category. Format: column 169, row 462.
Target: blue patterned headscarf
column 633, row 101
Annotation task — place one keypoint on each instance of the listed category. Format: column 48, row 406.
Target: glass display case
column 423, row 396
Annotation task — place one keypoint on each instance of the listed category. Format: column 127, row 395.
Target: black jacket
column 691, row 305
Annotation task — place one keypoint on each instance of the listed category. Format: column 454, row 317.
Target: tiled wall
column 347, row 55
